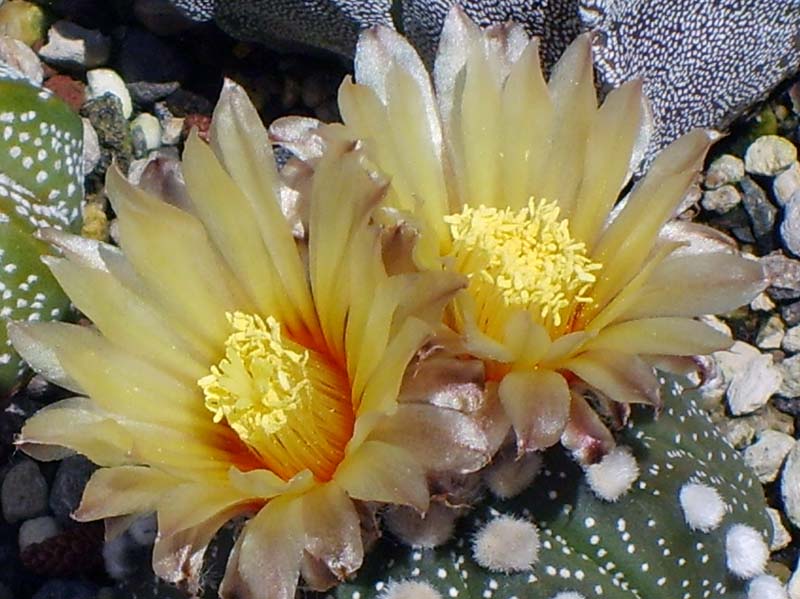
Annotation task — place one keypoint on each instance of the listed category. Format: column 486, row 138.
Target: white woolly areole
column 411, row 527
column 745, row 551
column 507, row 544
column 409, row 589
column 509, row 476
column 568, row 595
column 612, row 477
column 766, row 587
column 703, row 508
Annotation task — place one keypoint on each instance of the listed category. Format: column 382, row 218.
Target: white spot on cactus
column 766, row 587
column 614, row 475
column 408, row 589
column 508, row 476
column 431, row 530
column 746, row 552
column 507, row 544
column 703, row 508
column 568, row 595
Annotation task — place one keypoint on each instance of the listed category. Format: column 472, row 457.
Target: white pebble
column 149, row 128
column 703, row 508
column 107, row 81
column 766, row 587
column 613, row 476
column 408, row 589
column 508, row 476
column 37, row 530
column 746, row 552
column 144, row 529
column 507, row 544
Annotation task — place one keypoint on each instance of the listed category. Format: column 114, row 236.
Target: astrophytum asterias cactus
column 41, row 185
column 693, row 525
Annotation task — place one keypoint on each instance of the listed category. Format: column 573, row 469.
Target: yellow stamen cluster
column 286, row 402
column 525, row 258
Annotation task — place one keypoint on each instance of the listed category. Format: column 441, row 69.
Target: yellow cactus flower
column 512, row 181
column 234, row 369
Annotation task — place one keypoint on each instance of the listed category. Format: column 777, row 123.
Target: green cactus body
column 41, row 185
column 637, row 547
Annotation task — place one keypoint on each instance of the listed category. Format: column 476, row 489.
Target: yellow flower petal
column 171, row 252
column 241, row 144
column 670, row 336
column 622, row 377
column 123, row 490
column 379, row 471
column 77, row 424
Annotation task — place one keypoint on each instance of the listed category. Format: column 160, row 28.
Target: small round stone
column 613, row 476
column 37, row 530
column 507, row 544
column 724, row 170
column 745, row 551
column 107, row 81
column 24, row 492
column 409, row 589
column 766, row 587
column 703, row 508
column 769, row 155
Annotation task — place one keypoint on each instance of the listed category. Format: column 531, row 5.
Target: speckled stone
column 766, row 455
column 24, row 492
column 790, row 225
column 770, row 335
column 724, row 170
column 722, row 199
column 751, row 375
column 787, row 184
column 790, row 485
column 790, row 370
column 71, row 477
column 769, row 155
column 791, row 340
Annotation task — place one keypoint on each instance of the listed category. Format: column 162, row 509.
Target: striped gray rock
column 704, row 62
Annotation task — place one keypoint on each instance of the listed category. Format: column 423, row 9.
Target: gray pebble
column 771, row 333
column 790, row 369
column 791, row 313
column 790, row 225
column 724, row 170
column 72, row 46
column 71, row 477
column 783, row 274
column 37, row 530
column 761, row 212
column 769, row 155
column 787, row 184
column 146, row 92
column 752, row 377
column 24, row 492
column 766, row 455
column 722, row 199
column 790, row 485
column 791, row 340
column 780, row 536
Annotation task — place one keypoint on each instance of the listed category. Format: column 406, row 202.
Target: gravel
column 769, row 155
column 24, row 492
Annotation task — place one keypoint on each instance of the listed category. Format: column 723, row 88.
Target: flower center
column 525, row 258
column 289, row 404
